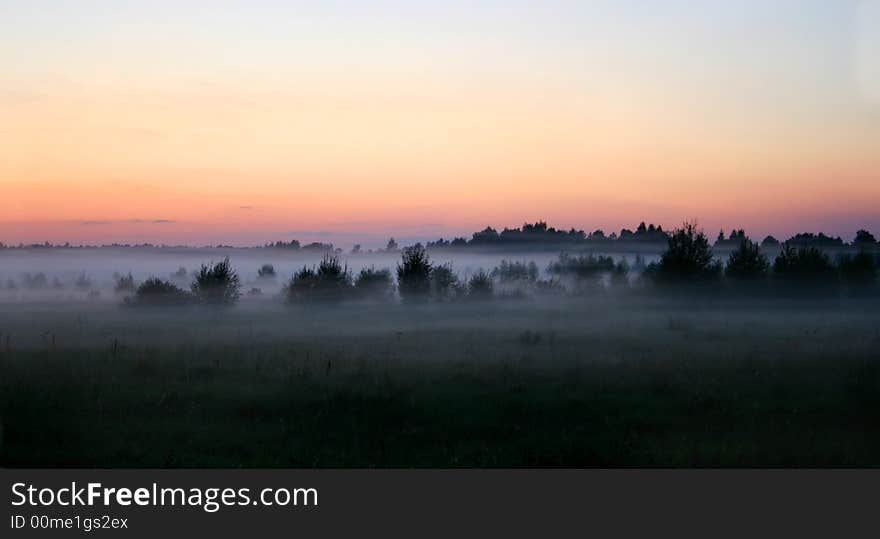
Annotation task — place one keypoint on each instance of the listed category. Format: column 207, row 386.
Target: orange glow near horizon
column 170, row 146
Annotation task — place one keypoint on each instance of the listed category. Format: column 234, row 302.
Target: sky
column 245, row 122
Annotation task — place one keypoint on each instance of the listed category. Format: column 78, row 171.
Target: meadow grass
column 580, row 384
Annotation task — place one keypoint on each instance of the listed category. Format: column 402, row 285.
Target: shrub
column 83, row 282
column 638, row 264
column 549, row 287
column 35, row 281
column 445, row 285
column 301, row 285
column 770, row 241
column 329, row 282
column 266, row 271
column 864, row 239
column 158, row 292
column 414, row 273
column 515, row 272
column 802, row 264
column 374, row 284
column 747, row 262
column 217, row 284
column 620, row 274
column 860, row 269
column 125, row 284
column 479, row 286
column 582, row 266
column 687, row 258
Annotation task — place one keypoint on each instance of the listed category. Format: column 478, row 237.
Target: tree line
column 531, row 234
column 688, row 261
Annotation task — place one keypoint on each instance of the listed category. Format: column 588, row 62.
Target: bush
column 860, row 269
column 301, row 286
column 687, row 258
column 158, row 292
column 374, row 284
column 515, row 279
column 125, row 284
column 581, row 267
column 83, row 282
column 747, row 262
column 217, row 284
column 35, row 281
column 479, row 286
column 329, row 282
column 515, row 272
column 414, row 273
column 620, row 275
column 864, row 239
column 803, row 264
column 445, row 285
column 266, row 271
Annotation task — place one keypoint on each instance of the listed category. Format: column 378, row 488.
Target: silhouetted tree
column 487, row 236
column 217, row 284
column 808, row 239
column 392, row 246
column 292, row 244
column 509, row 272
column 318, row 246
column 802, row 264
column 266, row 271
column 859, row 269
column 125, row 284
column 864, row 239
column 35, row 281
column 374, row 284
column 687, row 258
column 158, row 292
column 747, row 262
column 301, row 286
column 583, row 266
column 414, row 273
column 445, row 285
column 329, row 282
column 620, row 275
column 769, row 241
column 479, row 286
column 82, row 282
column 639, row 263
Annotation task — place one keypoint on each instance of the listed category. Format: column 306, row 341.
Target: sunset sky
column 244, row 122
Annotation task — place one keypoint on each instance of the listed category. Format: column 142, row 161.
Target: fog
column 101, row 266
column 585, row 369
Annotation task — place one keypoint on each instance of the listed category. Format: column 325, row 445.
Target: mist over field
column 197, row 202
column 677, row 354
column 102, row 266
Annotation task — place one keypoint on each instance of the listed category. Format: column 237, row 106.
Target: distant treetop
column 863, row 237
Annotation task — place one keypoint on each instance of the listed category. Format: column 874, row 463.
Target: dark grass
column 669, row 390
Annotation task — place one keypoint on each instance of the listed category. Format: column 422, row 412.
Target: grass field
column 601, row 382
